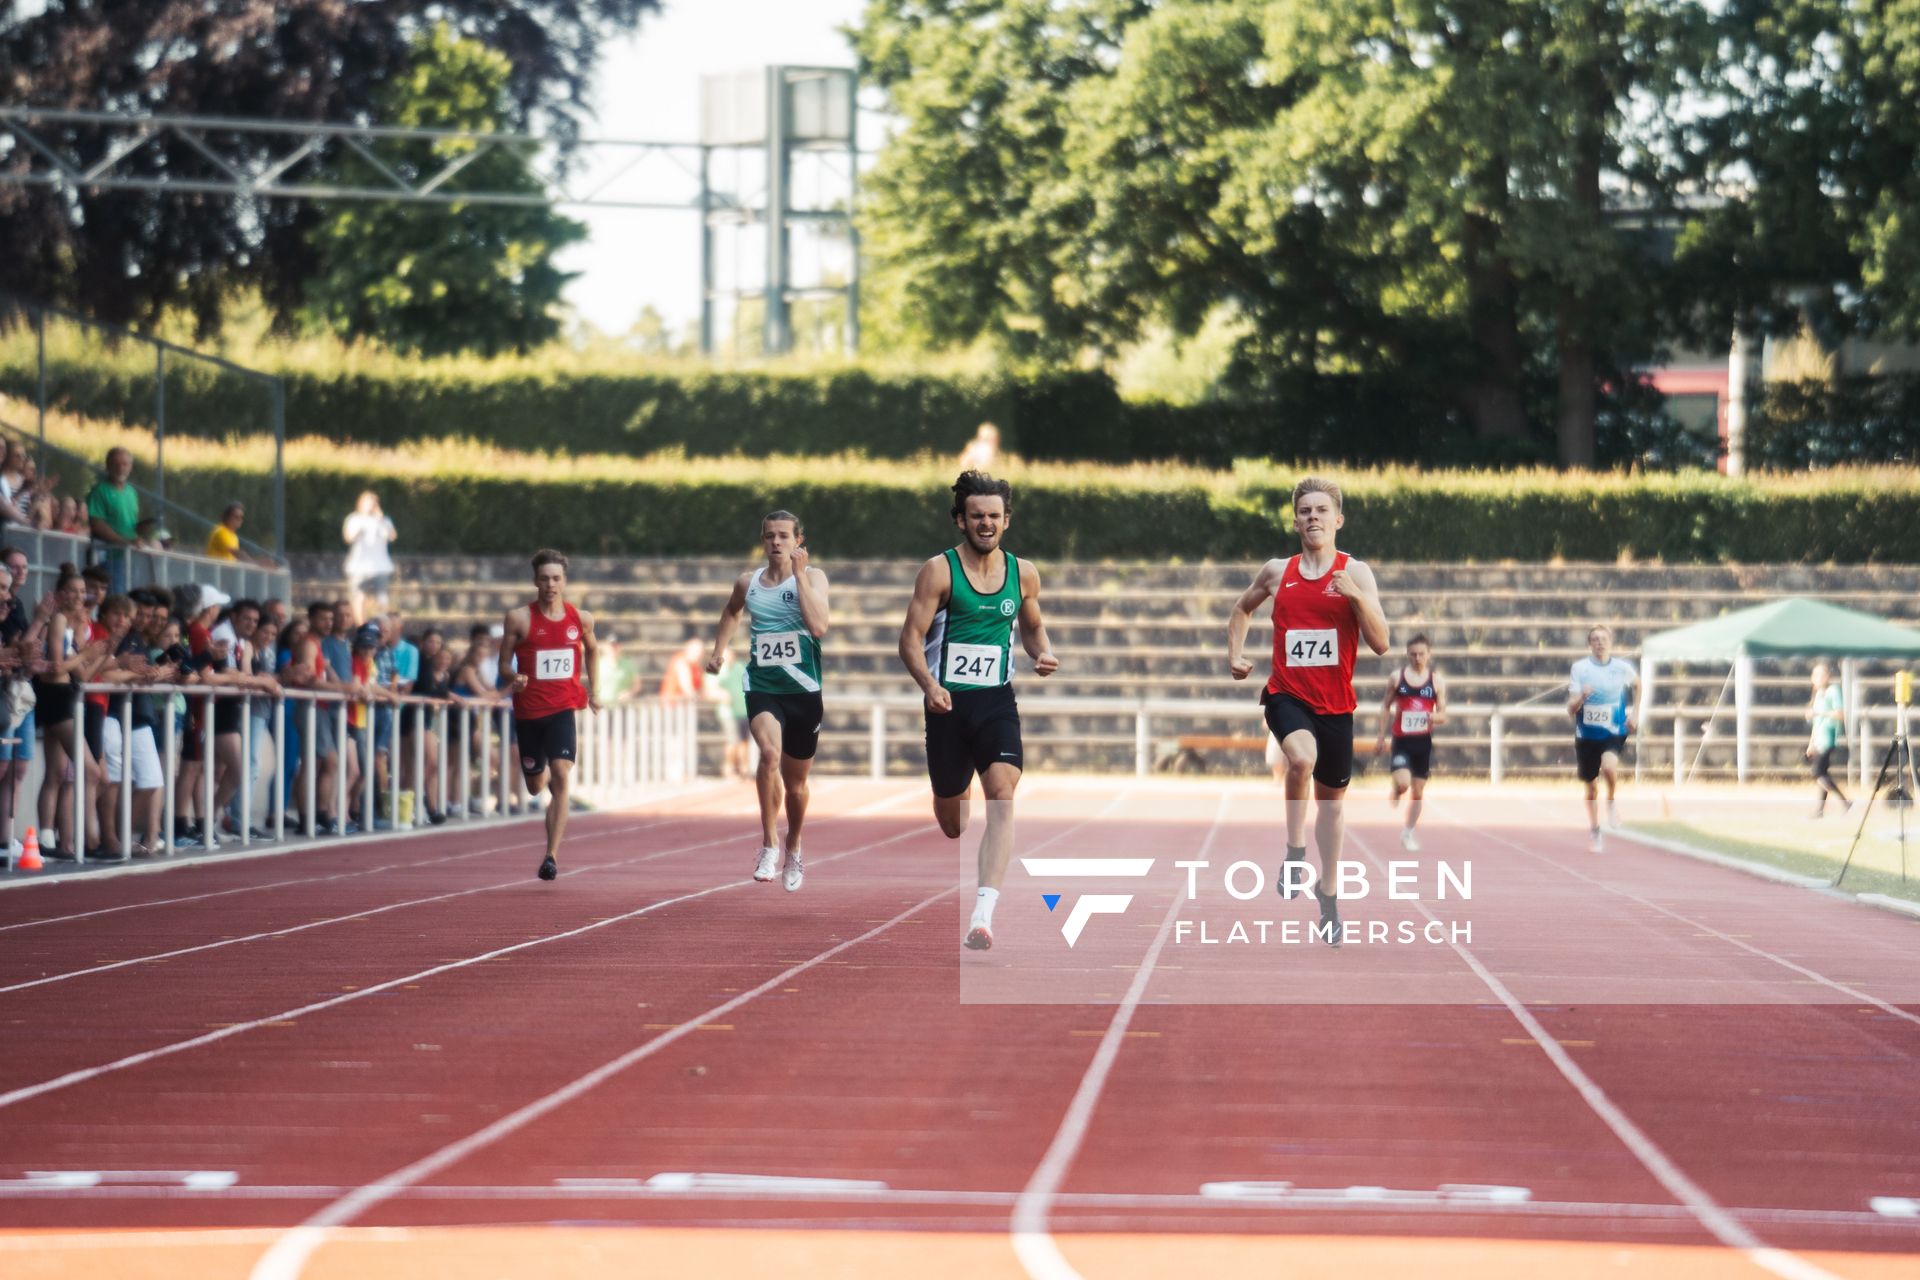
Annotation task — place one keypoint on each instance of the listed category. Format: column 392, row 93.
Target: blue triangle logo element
column 1051, row 899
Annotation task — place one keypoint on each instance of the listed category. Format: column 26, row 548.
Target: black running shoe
column 549, row 869
column 1294, row 854
column 1328, row 929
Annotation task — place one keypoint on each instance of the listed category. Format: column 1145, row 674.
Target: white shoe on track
column 769, row 865
column 796, row 872
column 1407, row 840
column 979, row 938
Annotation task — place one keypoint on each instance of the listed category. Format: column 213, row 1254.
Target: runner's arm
column 811, row 584
column 1386, row 708
column 1256, row 594
column 590, row 650
column 1364, row 600
column 1439, row 699
column 1577, row 690
column 729, row 618
column 512, row 631
column 929, row 586
column 1033, row 629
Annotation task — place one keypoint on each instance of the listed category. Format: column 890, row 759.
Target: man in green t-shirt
column 1827, row 710
column 113, row 513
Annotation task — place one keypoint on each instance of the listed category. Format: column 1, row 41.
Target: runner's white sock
column 983, row 903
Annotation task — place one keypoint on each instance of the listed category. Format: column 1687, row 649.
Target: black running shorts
column 1587, row 753
column 982, row 729
column 1413, row 753
column 545, row 740
column 1332, row 736
column 798, row 715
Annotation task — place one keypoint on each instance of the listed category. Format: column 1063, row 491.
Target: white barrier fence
column 1689, row 725
column 453, row 758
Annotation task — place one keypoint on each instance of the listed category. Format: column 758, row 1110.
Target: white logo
column 573, row 633
column 1092, row 904
column 1006, row 608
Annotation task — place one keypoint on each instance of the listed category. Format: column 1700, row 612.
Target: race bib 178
column 553, row 664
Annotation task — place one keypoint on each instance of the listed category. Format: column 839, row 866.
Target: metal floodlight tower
column 790, row 132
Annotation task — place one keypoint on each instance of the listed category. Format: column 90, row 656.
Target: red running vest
column 1315, row 638
column 1413, row 706
column 551, row 657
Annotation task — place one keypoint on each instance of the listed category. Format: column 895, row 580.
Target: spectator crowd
column 150, row 655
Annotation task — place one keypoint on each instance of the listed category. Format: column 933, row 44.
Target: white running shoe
column 796, row 871
column 980, row 938
column 1407, row 841
column 1594, row 844
column 768, row 866
column 1613, row 816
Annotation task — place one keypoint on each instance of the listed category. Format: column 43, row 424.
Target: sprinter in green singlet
column 786, row 606
column 957, row 645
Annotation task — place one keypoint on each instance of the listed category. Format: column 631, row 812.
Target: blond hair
column 1315, row 484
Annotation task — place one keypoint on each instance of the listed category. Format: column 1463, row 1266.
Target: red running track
column 441, row 1064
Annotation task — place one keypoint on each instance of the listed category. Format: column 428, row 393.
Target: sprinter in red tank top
column 1416, row 703
column 1324, row 602
column 553, row 651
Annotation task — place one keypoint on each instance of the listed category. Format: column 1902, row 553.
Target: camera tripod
column 1896, row 768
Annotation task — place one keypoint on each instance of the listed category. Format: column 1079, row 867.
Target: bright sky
column 648, row 87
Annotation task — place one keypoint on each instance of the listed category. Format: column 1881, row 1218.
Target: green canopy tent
column 1777, row 629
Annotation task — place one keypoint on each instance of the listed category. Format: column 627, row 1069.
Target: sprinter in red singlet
column 1323, row 603
column 553, row 655
column 1416, row 702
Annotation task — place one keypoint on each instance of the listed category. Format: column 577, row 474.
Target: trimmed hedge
column 870, row 510
column 1066, row 416
column 1855, row 419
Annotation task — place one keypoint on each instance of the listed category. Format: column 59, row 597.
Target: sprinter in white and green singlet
column 957, row 644
column 786, row 606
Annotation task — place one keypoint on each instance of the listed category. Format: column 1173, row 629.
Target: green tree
column 1389, row 187
column 437, row 279
column 129, row 256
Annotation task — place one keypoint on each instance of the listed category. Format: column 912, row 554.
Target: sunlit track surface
column 436, row 1062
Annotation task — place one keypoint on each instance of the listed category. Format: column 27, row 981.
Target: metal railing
column 457, row 752
column 1688, row 724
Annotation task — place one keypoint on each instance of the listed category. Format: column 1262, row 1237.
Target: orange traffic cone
column 30, row 852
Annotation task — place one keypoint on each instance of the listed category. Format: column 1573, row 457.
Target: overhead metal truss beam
column 264, row 159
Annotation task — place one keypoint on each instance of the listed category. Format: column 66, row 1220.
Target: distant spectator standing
column 113, row 513
column 69, row 517
column 684, row 671
column 731, row 691
column 13, row 492
column 223, row 543
column 983, row 451
column 368, row 533
column 151, row 535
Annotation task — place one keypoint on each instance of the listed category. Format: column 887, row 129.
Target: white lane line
column 1721, row 1224
column 328, row 879
column 516, row 882
column 1895, row 1221
column 289, row 1254
column 410, row 902
column 234, row 853
column 84, row 1074
column 1033, row 1243
column 1852, row 993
